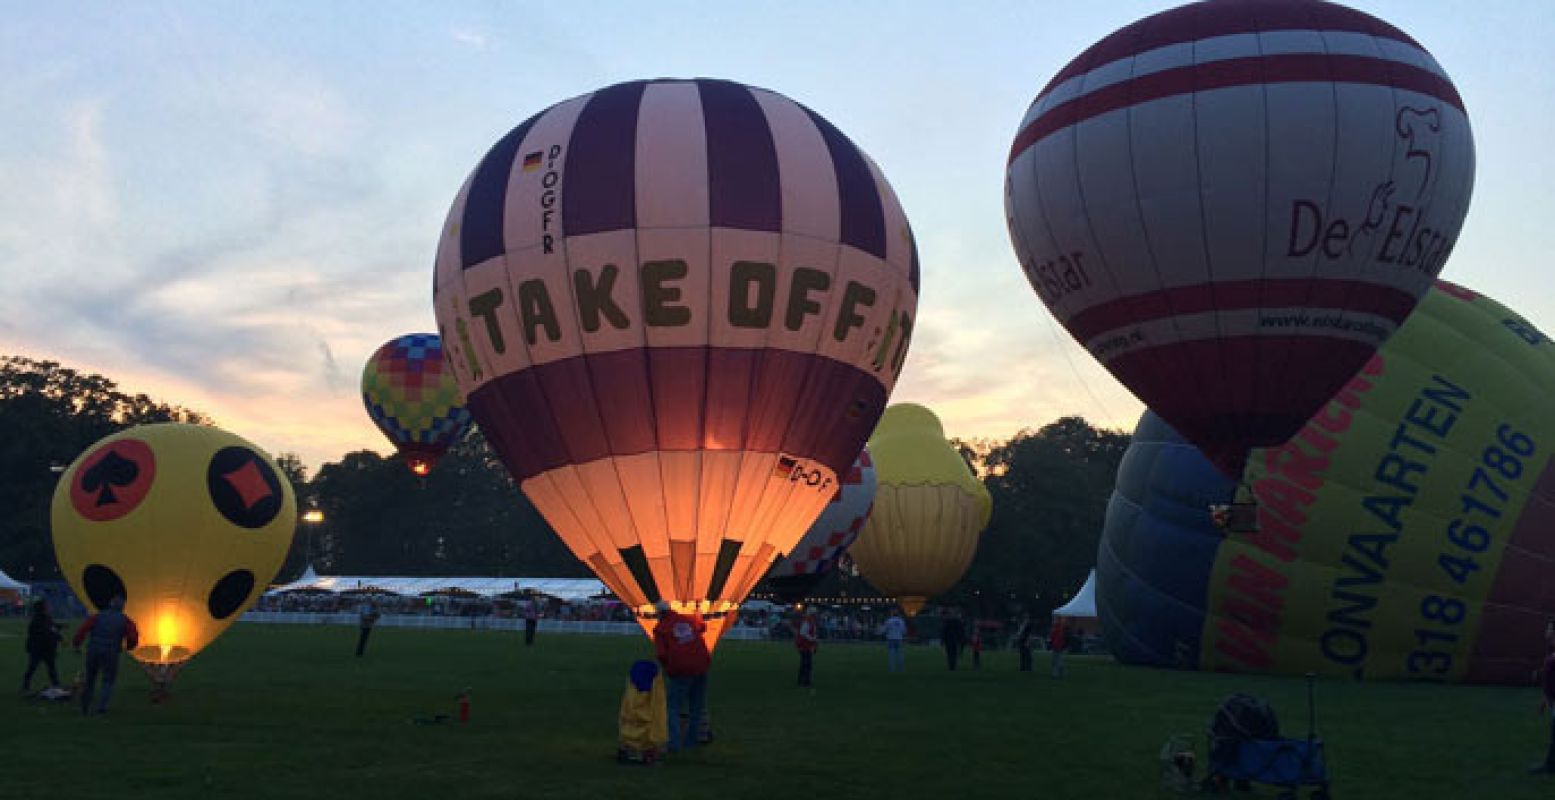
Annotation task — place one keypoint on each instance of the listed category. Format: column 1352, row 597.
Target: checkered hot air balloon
column 677, row 308
column 1232, row 204
column 413, row 398
column 793, row 577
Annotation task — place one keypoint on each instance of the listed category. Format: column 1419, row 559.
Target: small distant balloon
column 412, row 397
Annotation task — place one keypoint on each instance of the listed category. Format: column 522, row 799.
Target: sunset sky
column 230, row 205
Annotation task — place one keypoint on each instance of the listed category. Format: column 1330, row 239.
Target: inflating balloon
column 1406, row 531
column 793, row 577
column 677, row 308
column 188, row 523
column 413, row 398
column 929, row 510
column 1231, row 205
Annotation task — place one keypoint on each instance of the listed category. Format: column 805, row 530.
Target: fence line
column 473, row 623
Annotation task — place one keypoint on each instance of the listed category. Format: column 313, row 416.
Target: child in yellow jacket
column 643, row 722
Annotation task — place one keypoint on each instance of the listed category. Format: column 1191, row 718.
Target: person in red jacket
column 110, row 632
column 1547, row 700
column 1057, row 641
column 806, row 638
column 677, row 640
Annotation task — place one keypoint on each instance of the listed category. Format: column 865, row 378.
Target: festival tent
column 566, row 589
column 11, row 591
column 1080, row 611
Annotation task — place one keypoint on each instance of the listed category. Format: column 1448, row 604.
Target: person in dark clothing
column 806, row 638
column 1023, row 642
column 107, row 633
column 367, row 618
column 952, row 634
column 531, row 621
column 1547, row 699
column 683, row 653
column 43, row 639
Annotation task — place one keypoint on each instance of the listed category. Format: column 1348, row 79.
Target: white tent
column 1084, row 602
column 568, row 589
column 8, row 584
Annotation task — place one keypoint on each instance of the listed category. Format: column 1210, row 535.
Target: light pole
column 312, row 518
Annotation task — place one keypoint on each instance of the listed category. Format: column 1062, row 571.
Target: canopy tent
column 8, row 584
column 567, row 589
column 1083, row 604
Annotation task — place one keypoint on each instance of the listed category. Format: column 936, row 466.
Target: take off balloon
column 1407, row 531
column 1232, row 204
column 929, row 510
column 413, row 398
column 792, row 577
column 188, row 523
column 677, row 308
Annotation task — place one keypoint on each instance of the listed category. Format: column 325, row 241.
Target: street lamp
column 312, row 518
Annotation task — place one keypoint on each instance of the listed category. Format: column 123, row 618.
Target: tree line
column 1050, row 488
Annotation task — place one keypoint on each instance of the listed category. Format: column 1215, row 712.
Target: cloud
column 468, row 36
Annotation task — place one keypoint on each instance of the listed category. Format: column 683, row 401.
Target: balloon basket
column 162, row 674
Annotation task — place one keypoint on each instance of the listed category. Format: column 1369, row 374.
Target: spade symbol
column 113, row 470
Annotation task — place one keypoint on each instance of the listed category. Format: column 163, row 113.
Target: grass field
column 288, row 712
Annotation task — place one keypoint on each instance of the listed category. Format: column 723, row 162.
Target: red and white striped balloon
column 1232, row 204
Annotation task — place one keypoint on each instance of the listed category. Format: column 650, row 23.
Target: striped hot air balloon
column 412, row 398
column 793, row 577
column 1232, row 204
column 677, row 308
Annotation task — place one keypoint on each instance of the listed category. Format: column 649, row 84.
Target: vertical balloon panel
column 701, row 277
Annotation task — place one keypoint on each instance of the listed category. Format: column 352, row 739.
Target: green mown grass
column 289, row 712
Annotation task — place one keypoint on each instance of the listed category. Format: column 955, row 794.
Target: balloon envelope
column 188, row 523
column 413, row 398
column 1407, row 531
column 1231, row 205
column 795, row 575
column 677, row 308
column 929, row 510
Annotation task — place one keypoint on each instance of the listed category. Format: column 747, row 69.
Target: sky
column 229, row 205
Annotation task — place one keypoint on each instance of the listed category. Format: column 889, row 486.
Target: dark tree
column 49, row 414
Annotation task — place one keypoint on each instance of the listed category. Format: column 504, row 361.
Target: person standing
column 682, row 652
column 952, row 634
column 895, row 632
column 43, row 639
column 531, row 620
column 1023, row 642
column 806, row 638
column 367, row 617
column 107, row 633
column 1057, row 640
column 1547, row 699
column 977, row 646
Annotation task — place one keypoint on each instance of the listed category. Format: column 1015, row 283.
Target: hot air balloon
column 188, row 523
column 677, row 308
column 1406, row 531
column 1232, row 204
column 793, row 577
column 929, row 510
column 412, row 397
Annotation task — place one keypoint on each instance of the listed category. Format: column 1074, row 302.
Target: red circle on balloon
column 113, row 480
